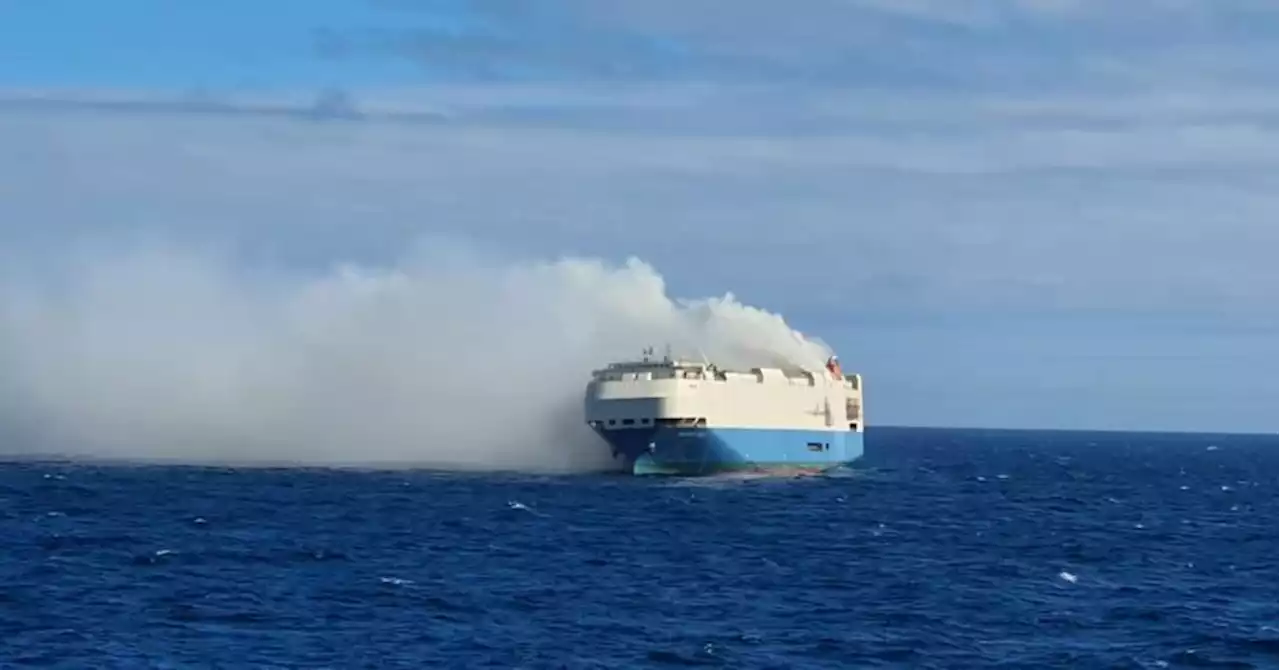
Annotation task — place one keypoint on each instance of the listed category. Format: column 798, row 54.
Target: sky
column 1003, row 213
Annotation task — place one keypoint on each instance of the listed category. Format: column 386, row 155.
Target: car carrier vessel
column 685, row 417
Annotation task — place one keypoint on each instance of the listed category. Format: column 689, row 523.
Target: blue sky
column 178, row 45
column 1006, row 213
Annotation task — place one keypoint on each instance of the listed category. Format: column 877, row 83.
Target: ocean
column 941, row 549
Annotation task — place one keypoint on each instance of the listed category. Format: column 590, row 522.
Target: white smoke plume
column 446, row 360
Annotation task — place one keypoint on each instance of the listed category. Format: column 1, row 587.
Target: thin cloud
column 1007, row 191
column 1028, row 44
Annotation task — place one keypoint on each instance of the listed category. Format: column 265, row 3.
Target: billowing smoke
column 446, row 360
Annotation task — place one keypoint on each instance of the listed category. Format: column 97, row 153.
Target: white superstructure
column 673, row 392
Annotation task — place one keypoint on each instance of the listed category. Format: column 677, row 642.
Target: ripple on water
column 908, row 560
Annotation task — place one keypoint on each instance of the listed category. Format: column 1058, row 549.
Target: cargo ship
column 682, row 417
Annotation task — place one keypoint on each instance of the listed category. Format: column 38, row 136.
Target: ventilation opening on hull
column 818, row 446
column 682, row 422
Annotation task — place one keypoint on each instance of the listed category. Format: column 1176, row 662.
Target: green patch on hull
column 645, row 466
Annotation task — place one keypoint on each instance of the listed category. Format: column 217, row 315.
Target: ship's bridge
column 646, row 370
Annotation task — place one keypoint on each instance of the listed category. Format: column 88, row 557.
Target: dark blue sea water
column 944, row 549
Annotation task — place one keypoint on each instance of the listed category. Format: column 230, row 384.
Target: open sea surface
column 942, row 549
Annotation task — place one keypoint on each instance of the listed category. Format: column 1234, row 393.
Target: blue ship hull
column 689, row 451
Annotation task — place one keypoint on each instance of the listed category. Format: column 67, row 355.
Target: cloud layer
column 992, row 44
column 927, row 202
